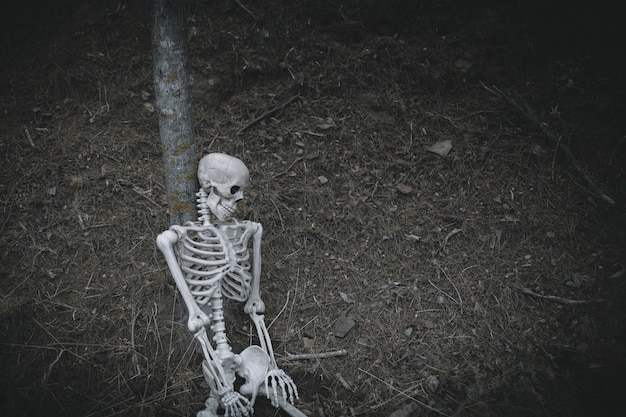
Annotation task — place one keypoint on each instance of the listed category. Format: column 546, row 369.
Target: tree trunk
column 173, row 101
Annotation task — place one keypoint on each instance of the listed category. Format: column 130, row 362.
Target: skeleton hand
column 254, row 305
column 235, row 405
column 278, row 380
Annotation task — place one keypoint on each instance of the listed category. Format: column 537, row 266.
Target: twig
column 524, row 110
column 268, row 114
column 246, row 9
column 443, row 292
column 561, row 300
column 134, row 358
column 343, row 381
column 439, row 269
column 442, row 245
column 280, row 217
column 321, row 355
column 280, row 312
column 29, row 137
column 319, row 135
column 448, row 236
column 51, row 366
column 403, row 393
column 289, row 167
column 142, row 193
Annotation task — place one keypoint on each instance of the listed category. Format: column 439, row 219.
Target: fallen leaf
column 441, row 148
column 431, row 384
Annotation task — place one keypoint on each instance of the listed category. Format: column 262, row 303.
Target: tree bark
column 173, row 102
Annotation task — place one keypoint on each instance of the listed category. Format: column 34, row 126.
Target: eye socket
column 235, row 189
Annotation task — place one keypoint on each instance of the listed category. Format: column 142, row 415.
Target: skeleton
column 209, row 259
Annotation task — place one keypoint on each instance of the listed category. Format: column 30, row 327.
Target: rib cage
column 212, row 257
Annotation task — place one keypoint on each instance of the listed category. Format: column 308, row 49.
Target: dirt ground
column 443, row 181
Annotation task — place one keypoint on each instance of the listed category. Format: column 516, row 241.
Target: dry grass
column 428, row 255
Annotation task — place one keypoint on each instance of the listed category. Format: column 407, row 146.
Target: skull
column 224, row 178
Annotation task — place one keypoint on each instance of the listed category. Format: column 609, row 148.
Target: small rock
column 463, row 65
column 405, row 411
column 307, row 342
column 404, row 189
column 343, row 325
column 345, row 297
column 149, row 107
column 104, row 170
column 322, row 179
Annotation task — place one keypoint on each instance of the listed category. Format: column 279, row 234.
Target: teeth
column 228, row 210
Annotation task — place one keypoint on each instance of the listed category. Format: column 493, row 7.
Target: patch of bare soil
column 481, row 277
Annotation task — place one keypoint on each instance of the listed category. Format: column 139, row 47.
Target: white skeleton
column 209, row 259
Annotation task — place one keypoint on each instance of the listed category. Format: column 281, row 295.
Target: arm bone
column 264, row 336
column 233, row 402
column 165, row 242
column 254, row 303
column 213, row 364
